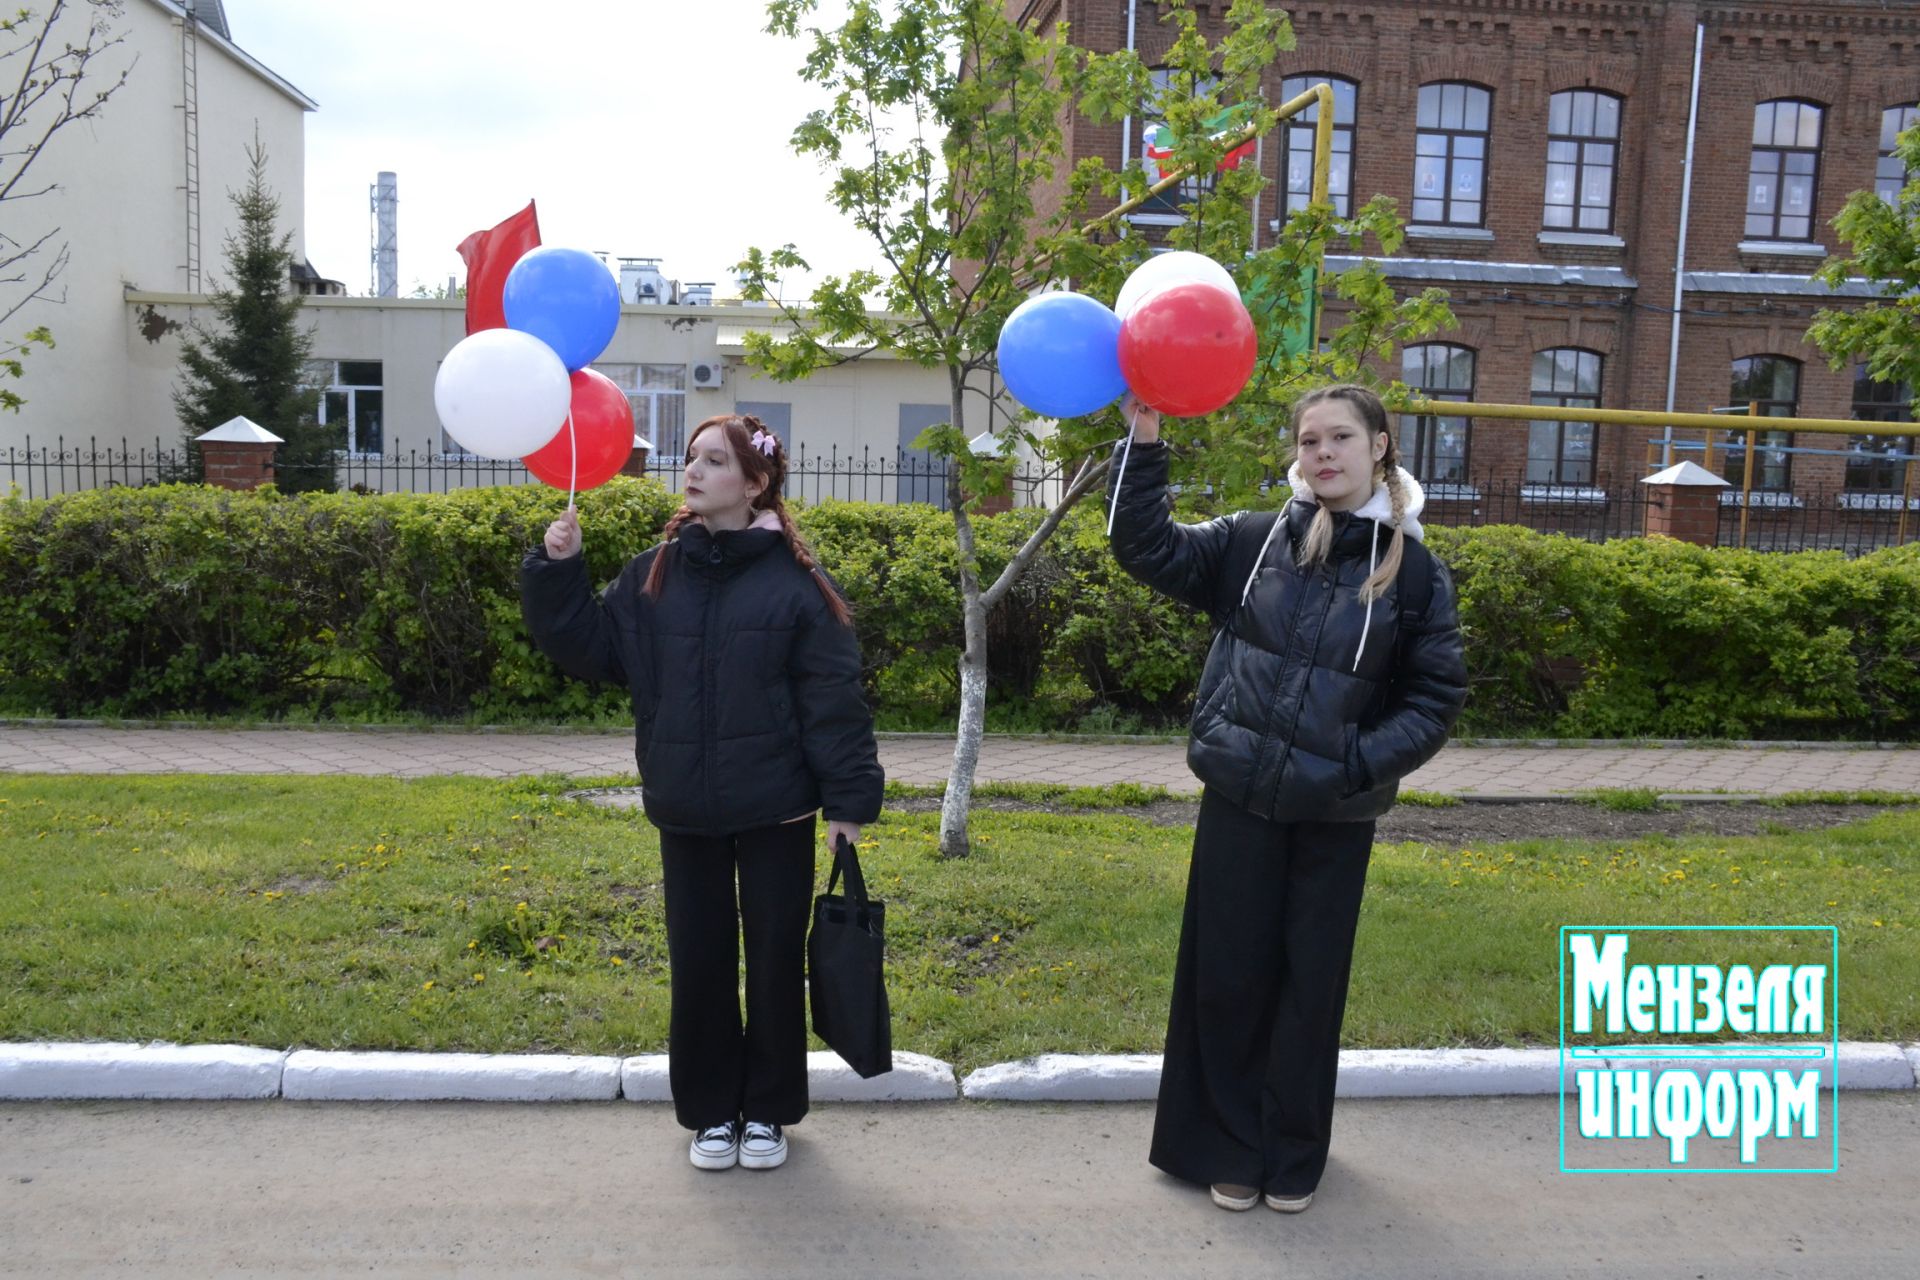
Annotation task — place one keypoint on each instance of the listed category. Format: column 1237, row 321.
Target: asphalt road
column 1417, row 1188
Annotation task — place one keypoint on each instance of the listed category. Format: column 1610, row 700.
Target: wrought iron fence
column 1849, row 521
column 866, row 476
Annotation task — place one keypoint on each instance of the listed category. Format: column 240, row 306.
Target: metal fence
column 1849, row 521
column 902, row 475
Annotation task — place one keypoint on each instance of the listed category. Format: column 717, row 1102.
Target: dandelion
column 380, row 848
column 519, row 906
column 479, row 977
column 616, row 960
column 508, row 867
column 426, row 986
column 473, row 944
column 1879, row 924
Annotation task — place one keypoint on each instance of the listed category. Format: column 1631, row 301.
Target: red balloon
column 1188, row 349
column 602, row 432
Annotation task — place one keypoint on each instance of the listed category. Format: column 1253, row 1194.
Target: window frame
column 1342, row 200
column 1864, row 452
column 1812, row 215
column 1452, row 137
column 1555, row 398
column 1418, row 431
column 335, row 384
column 1764, row 440
column 1908, row 115
column 1580, row 143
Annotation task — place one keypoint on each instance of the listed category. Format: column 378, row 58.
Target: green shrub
column 181, row 599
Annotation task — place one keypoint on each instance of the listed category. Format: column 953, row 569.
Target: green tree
column 1883, row 245
column 254, row 361
column 943, row 133
column 49, row 59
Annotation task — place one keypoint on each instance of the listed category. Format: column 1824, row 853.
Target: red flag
column 489, row 256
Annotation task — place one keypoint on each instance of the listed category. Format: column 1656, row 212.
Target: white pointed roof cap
column 239, row 431
column 1690, row 473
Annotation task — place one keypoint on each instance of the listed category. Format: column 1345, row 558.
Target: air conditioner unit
column 709, row 374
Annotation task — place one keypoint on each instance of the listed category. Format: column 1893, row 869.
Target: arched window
column 1562, row 452
column 1871, row 468
column 1299, row 143
column 1772, row 383
column 1434, row 448
column 1783, row 177
column 1583, row 140
column 1452, row 128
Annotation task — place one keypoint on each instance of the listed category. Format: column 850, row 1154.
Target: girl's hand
column 851, row 830
column 563, row 536
column 1144, row 417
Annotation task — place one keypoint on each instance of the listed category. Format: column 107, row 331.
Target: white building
column 132, row 219
column 142, row 200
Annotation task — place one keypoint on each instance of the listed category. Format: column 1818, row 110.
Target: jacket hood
column 1379, row 506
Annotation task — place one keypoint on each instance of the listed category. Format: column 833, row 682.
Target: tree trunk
column 958, row 802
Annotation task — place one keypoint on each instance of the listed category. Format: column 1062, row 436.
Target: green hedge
column 179, row 599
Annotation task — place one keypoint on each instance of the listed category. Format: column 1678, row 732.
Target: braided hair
column 1318, row 542
column 763, row 459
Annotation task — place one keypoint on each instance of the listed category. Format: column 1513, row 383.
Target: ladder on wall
column 190, row 130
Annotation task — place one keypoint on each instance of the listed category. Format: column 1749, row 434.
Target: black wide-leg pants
column 1259, row 989
column 719, row 1068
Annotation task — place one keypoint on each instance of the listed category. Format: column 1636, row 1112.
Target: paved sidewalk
column 1486, row 771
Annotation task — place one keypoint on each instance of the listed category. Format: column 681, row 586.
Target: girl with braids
column 749, row 722
column 1335, row 670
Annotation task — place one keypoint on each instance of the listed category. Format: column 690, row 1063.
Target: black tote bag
column 845, row 985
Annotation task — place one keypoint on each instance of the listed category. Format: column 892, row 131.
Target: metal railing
column 869, row 475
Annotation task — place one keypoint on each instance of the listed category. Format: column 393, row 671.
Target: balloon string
column 573, row 475
column 1113, row 508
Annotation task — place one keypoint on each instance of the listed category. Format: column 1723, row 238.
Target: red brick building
column 1538, row 149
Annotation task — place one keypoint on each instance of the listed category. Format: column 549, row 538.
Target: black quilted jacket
column 1284, row 724
column 746, row 691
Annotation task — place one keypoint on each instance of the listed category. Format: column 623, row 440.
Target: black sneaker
column 716, row 1147
column 763, row 1147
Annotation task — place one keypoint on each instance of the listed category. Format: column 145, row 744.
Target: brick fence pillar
column 1683, row 502
column 636, row 463
column 238, row 454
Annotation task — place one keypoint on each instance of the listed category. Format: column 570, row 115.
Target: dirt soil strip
column 1469, row 825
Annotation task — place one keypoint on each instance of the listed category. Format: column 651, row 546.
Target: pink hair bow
column 766, row 442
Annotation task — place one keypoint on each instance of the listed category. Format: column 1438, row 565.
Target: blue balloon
column 1060, row 355
column 566, row 298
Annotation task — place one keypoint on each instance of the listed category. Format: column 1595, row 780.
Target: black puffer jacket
column 1284, row 724
column 746, row 691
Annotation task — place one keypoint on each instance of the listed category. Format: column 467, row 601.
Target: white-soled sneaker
column 763, row 1147
column 716, row 1147
column 1290, row 1204
column 1233, row 1197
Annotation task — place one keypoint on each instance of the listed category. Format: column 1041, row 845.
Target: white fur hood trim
column 1378, row 507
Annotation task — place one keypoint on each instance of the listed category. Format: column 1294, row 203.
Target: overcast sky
column 641, row 127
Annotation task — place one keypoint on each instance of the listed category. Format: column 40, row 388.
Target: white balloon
column 502, row 393
column 1163, row 269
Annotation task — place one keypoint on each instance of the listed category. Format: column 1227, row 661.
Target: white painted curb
column 1912, row 1052
column 314, row 1075
column 139, row 1071
column 1861, row 1066
column 1447, row 1073
column 644, row 1078
column 1068, row 1077
column 915, row 1078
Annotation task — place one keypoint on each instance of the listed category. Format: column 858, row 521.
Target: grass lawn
column 468, row 914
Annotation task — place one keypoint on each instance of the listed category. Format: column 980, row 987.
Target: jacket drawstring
column 1373, row 560
column 1268, row 541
